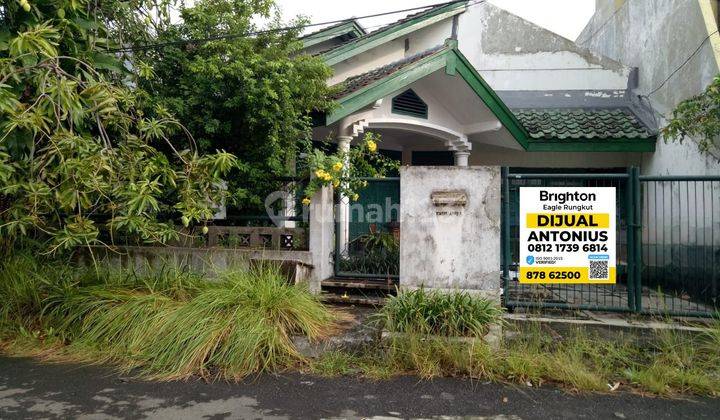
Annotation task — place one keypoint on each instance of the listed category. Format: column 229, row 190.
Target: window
column 409, row 103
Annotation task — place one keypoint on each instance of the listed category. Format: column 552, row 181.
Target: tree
column 81, row 150
column 698, row 117
column 252, row 95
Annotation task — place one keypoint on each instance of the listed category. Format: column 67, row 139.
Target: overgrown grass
column 673, row 364
column 170, row 324
column 437, row 313
column 174, row 324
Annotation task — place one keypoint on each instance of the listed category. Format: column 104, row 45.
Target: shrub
column 438, row 313
column 169, row 324
column 376, row 253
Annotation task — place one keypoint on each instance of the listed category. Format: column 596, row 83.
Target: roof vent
column 409, row 103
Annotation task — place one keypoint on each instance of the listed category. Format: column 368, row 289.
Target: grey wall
column 450, row 247
column 656, row 37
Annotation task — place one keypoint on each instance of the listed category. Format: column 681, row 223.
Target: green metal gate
column 668, row 245
column 373, row 247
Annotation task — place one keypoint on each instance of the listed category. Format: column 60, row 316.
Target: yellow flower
column 364, row 184
column 355, row 197
column 323, row 175
column 337, row 166
column 25, row 5
column 371, row 146
column 306, row 201
column 336, row 183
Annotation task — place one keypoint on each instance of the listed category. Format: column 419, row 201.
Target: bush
column 437, row 313
column 170, row 324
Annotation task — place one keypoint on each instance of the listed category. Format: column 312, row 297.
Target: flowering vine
column 331, row 169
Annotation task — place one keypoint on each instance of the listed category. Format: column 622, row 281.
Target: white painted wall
column 420, row 40
column 657, row 37
column 369, row 60
column 490, row 155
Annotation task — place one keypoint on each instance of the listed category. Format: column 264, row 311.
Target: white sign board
column 567, row 235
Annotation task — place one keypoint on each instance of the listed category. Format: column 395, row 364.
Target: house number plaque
column 450, row 202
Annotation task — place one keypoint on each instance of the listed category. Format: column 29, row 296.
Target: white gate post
column 322, row 237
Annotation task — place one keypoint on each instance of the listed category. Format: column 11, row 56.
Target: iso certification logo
column 530, row 260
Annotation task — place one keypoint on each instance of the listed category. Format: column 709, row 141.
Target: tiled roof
column 358, row 82
column 327, row 28
column 582, row 123
column 388, row 26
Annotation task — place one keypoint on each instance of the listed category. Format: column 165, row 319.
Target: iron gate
column 668, row 245
column 372, row 245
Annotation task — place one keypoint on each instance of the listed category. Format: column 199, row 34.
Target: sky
column 564, row 17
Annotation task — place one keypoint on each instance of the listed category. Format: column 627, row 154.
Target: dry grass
column 674, row 364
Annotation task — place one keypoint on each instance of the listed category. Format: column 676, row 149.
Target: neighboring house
column 675, row 46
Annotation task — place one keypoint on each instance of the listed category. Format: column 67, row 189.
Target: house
column 468, row 84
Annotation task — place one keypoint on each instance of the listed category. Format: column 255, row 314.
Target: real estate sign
column 567, row 235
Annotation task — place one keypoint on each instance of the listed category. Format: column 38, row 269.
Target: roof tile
column 355, row 83
column 407, row 18
column 582, row 123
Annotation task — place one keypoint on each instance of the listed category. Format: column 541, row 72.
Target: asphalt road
column 32, row 390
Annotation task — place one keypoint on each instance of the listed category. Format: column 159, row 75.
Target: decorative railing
column 257, row 237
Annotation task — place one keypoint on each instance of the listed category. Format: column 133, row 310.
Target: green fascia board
column 455, row 63
column 609, row 145
column 347, row 28
column 354, row 48
column 380, row 89
column 466, row 70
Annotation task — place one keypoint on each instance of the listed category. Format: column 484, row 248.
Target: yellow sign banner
column 601, row 274
column 567, row 220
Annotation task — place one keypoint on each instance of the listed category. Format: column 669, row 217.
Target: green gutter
column 490, row 98
column 608, row 145
column 368, row 42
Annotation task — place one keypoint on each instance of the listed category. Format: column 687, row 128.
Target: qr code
column 598, row 270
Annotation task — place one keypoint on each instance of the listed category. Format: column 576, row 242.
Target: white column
column 461, row 158
column 344, row 207
column 322, row 239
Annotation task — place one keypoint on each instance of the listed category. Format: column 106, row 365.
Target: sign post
column 567, row 235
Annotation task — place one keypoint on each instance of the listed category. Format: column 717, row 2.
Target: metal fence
column 680, row 244
column 668, row 245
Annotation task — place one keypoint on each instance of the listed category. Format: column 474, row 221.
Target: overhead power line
column 281, row 29
column 677, row 69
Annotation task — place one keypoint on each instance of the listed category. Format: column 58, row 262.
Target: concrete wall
column 209, row 261
column 514, row 54
column 658, row 36
column 450, row 247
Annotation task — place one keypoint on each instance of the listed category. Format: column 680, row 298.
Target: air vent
column 409, row 103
